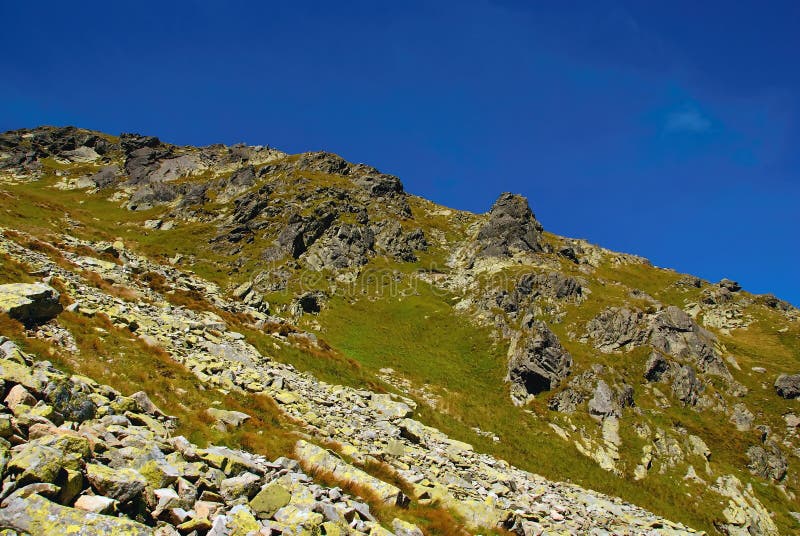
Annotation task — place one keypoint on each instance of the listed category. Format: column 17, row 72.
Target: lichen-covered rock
column 241, row 522
column 244, row 485
column 389, row 408
column 318, row 458
column 29, row 302
column 230, row 418
column 37, row 462
column 70, row 401
column 119, row 484
column 403, row 528
column 744, row 514
column 229, row 461
column 42, row 459
column 37, row 515
column 270, row 499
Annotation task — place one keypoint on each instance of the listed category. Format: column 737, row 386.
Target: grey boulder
column 30, row 303
column 788, row 385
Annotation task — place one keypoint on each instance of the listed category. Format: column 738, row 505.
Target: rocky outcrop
column 675, row 333
column 744, row 513
column 511, row 226
column 602, row 402
column 300, row 233
column 343, row 246
column 149, row 195
column 239, row 182
column 132, row 142
column 106, row 177
column 370, row 179
column 141, row 163
column 308, row 302
column 391, row 239
column 29, row 303
column 767, row 461
column 248, row 206
column 551, row 286
column 685, row 385
column 670, row 331
column 537, row 362
column 656, row 367
column 578, row 390
column 22, row 150
column 616, row 328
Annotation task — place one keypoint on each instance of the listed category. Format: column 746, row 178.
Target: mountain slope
column 565, row 359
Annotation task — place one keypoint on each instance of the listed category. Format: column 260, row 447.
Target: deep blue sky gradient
column 665, row 129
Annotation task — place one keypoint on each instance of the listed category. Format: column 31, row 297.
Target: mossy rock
column 269, row 500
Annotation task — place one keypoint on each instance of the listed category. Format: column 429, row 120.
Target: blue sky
column 666, row 129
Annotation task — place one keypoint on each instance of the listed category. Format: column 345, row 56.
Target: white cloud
column 687, row 121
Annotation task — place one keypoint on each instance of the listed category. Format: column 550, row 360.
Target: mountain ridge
column 548, row 351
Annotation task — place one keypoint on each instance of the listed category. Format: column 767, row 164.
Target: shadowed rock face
column 537, row 362
column 511, row 225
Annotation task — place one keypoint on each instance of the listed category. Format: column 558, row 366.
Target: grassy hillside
column 451, row 359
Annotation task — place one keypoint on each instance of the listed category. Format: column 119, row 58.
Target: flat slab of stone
column 29, row 302
column 319, row 458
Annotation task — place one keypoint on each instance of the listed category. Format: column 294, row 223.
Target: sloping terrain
column 456, row 357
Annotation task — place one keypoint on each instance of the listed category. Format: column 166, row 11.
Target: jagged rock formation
column 511, row 227
column 670, row 332
column 537, row 362
column 236, row 261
